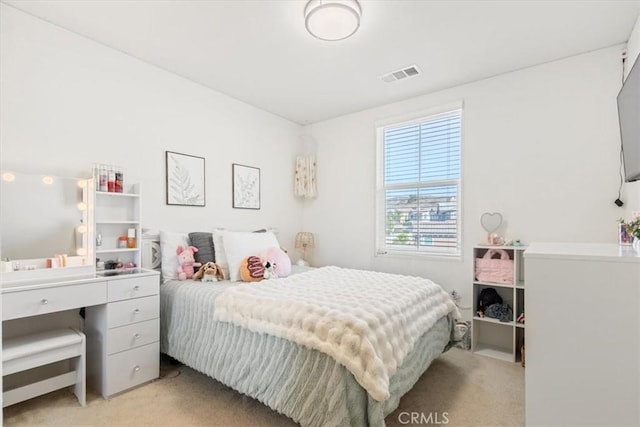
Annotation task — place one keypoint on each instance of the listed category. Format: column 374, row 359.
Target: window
column 419, row 176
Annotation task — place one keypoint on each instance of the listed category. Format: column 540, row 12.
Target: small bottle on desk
column 111, row 180
column 104, row 178
column 119, row 181
column 131, row 238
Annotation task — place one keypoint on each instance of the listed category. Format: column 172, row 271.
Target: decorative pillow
column 251, row 269
column 279, row 258
column 239, row 245
column 169, row 242
column 218, row 246
column 204, row 242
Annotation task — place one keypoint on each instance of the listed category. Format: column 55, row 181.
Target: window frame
column 381, row 247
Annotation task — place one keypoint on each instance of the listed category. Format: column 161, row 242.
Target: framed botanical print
column 246, row 187
column 185, row 179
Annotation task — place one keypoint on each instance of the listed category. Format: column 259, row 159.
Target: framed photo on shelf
column 246, row 186
column 624, row 236
column 185, row 179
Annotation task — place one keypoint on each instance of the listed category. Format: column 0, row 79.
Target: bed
column 293, row 378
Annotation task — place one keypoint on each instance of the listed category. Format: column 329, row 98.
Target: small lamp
column 304, row 240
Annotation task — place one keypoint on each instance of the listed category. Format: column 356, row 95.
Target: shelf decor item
column 624, row 235
column 305, row 177
column 489, row 269
column 491, row 222
column 109, row 179
column 185, row 179
column 246, row 187
column 629, row 232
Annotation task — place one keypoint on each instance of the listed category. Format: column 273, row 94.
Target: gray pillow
column 204, row 242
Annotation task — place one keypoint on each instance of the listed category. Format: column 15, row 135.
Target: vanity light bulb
column 47, row 180
column 8, row 176
column 82, row 206
column 81, row 252
column 82, row 229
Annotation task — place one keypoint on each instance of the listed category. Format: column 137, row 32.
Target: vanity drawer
column 55, row 298
column 132, row 311
column 132, row 367
column 133, row 288
column 132, row 336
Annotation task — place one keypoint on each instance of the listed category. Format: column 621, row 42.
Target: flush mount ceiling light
column 332, row 20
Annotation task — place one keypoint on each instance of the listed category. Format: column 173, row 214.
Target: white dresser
column 583, row 335
column 123, row 335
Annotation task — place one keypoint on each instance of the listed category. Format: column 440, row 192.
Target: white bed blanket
column 367, row 321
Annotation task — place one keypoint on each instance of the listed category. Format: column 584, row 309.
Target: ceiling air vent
column 401, row 74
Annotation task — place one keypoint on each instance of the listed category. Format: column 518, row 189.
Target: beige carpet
column 472, row 391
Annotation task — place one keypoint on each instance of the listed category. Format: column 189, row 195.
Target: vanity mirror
column 45, row 223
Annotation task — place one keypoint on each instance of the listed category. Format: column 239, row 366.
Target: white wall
column 632, row 189
column 540, row 146
column 68, row 102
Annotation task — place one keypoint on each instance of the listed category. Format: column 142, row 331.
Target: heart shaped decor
column 491, row 221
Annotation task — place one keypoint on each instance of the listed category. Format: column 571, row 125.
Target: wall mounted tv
column 629, row 115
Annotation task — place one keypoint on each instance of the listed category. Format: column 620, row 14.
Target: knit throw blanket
column 365, row 320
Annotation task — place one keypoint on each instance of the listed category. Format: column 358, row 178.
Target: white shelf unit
column 115, row 213
column 491, row 337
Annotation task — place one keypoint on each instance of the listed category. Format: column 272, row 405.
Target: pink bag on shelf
column 493, row 270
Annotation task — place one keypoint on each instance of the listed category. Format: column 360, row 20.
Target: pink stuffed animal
column 279, row 262
column 186, row 262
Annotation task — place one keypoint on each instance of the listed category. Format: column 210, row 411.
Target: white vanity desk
column 121, row 322
column 51, row 276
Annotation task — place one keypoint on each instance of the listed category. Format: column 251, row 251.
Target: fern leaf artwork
column 185, row 180
column 246, row 187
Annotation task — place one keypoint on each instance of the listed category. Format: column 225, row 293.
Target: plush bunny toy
column 186, row 262
column 209, row 272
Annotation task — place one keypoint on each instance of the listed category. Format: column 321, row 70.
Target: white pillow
column 218, row 248
column 240, row 244
column 169, row 242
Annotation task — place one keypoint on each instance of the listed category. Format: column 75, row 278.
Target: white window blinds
column 419, row 192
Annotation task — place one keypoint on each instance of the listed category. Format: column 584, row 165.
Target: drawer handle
column 136, row 288
column 136, row 311
column 136, row 337
column 136, row 368
column 44, row 301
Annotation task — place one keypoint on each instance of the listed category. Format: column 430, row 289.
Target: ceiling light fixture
column 332, row 20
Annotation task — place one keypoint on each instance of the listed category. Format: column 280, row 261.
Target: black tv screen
column 629, row 115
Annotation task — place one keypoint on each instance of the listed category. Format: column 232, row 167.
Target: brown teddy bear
column 209, row 272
